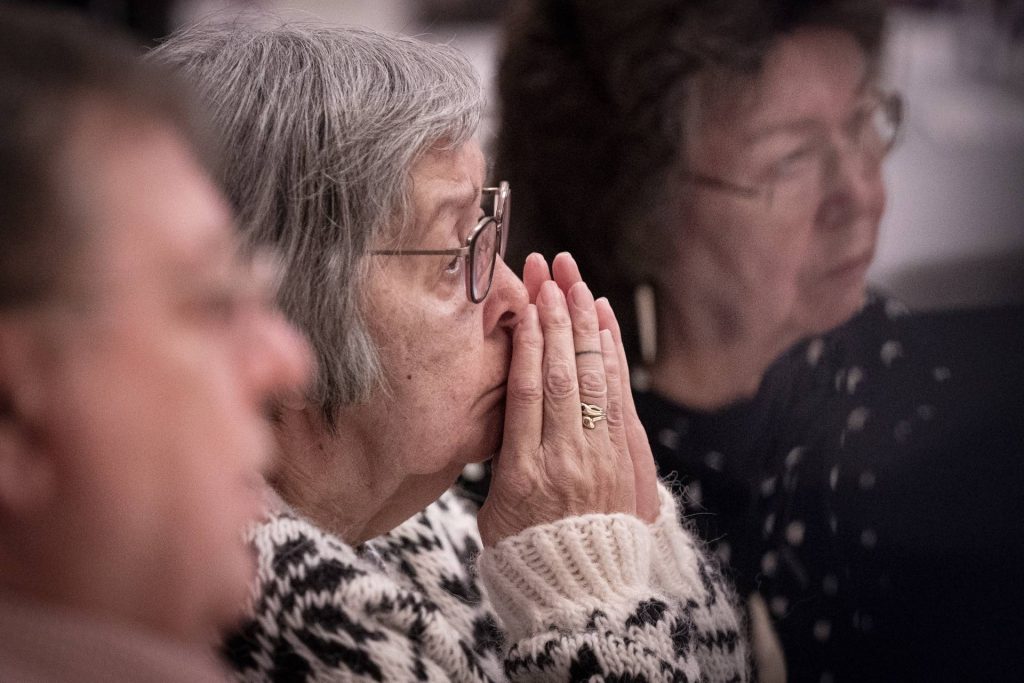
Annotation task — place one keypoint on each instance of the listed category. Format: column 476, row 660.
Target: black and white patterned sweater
column 598, row 597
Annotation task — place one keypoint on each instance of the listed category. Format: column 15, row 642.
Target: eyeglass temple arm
column 458, row 251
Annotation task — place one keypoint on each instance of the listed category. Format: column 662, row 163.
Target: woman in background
column 716, row 168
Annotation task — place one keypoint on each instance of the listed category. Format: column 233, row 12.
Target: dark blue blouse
column 873, row 493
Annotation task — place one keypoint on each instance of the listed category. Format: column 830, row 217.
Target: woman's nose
column 853, row 185
column 507, row 300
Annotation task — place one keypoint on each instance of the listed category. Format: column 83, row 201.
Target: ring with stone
column 592, row 415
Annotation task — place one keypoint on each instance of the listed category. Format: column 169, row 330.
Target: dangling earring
column 646, row 330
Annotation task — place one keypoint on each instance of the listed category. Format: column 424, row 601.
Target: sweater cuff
column 675, row 551
column 555, row 575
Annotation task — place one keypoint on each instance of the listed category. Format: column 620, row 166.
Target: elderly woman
column 352, row 153
column 721, row 164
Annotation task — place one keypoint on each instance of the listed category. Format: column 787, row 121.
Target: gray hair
column 321, row 126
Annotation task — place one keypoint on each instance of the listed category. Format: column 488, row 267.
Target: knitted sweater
column 598, row 595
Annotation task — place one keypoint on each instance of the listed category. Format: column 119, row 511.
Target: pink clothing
column 44, row 643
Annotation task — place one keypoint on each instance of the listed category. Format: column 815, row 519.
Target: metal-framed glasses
column 486, row 242
column 870, row 133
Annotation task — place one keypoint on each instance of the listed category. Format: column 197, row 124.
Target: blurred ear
column 26, row 466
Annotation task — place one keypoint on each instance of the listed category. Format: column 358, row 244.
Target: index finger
column 646, row 472
column 607, row 321
column 561, row 386
column 535, row 274
column 524, row 393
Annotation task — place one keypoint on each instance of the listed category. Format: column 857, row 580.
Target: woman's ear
column 26, row 465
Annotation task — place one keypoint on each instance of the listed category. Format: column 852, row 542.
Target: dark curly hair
column 594, row 96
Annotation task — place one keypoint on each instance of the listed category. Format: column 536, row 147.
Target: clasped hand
column 567, row 350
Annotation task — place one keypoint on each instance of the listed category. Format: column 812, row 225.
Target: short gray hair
column 321, row 126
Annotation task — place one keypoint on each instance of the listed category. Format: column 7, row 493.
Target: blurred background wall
column 954, row 230
column 953, row 234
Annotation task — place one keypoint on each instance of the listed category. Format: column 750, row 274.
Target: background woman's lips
column 850, row 266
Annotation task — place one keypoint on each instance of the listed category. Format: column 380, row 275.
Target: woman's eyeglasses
column 485, row 244
column 870, row 133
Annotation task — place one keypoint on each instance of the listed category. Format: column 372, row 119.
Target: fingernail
column 550, row 294
column 608, row 305
column 581, row 295
column 539, row 261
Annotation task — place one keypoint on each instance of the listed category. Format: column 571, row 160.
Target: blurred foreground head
column 137, row 352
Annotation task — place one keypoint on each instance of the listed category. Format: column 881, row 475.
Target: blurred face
column 446, row 358
column 156, row 387
column 781, row 236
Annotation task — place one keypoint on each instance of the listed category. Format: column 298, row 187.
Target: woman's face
column 446, row 359
column 780, row 237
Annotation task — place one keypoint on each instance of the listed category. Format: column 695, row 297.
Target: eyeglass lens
column 872, row 136
column 489, row 243
column 483, row 257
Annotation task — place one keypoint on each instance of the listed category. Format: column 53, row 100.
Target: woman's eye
column 454, row 266
column 795, row 161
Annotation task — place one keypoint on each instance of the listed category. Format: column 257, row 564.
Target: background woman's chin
column 827, row 313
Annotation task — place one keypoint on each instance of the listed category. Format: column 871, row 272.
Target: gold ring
column 592, row 415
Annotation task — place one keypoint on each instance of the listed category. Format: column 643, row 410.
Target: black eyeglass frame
column 502, row 194
column 892, row 103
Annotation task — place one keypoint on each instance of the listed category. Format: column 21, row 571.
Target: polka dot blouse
column 873, row 493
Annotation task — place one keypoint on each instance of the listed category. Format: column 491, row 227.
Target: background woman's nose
column 853, row 185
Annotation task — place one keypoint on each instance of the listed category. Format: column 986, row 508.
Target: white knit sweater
column 603, row 596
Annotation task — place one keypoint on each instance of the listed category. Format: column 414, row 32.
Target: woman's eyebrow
column 794, row 127
column 451, row 201
column 804, row 125
column 455, row 199
column 463, row 197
